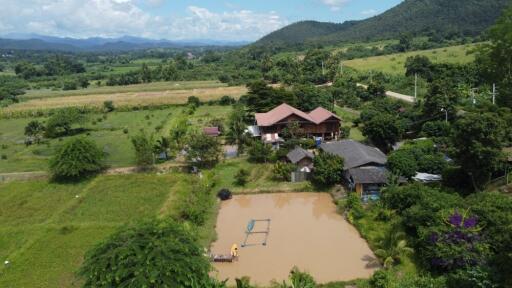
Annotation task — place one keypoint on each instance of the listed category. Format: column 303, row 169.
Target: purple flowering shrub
column 455, row 243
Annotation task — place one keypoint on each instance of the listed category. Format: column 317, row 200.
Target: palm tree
column 393, row 247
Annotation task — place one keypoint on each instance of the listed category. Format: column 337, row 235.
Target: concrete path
column 405, row 98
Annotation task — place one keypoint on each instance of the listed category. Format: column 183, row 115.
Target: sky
column 230, row 20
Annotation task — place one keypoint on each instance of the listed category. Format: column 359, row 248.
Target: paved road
column 395, row 95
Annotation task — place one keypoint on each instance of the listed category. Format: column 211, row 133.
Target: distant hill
column 125, row 43
column 418, row 17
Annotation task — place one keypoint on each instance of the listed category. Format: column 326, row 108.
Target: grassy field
column 394, row 63
column 46, row 228
column 348, row 116
column 108, row 133
column 149, row 87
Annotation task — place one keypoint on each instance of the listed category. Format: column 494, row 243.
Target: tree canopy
column 77, row 158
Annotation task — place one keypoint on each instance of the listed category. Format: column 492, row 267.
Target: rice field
column 121, row 98
column 394, row 63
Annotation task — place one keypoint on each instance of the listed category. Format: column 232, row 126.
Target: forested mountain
column 442, row 18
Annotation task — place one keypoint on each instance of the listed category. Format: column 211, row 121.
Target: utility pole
column 446, row 114
column 323, row 68
column 341, row 67
column 494, row 93
column 416, row 87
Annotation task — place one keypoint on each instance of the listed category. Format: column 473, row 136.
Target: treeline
column 56, row 65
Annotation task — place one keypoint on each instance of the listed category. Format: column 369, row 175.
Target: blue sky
column 234, row 20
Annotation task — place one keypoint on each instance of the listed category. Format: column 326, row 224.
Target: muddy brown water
column 305, row 231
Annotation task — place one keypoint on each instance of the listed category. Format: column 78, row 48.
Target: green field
column 394, row 63
column 47, row 228
column 108, row 133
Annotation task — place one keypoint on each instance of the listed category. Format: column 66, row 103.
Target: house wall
column 304, row 162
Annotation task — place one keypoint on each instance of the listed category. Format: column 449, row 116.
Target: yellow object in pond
column 234, row 250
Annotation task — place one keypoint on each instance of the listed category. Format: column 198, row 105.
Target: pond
column 305, row 231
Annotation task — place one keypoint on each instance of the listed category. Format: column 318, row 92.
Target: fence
column 300, row 176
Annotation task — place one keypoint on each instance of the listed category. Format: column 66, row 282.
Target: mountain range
column 417, row 17
column 99, row 44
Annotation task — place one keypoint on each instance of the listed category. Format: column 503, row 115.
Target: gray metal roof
column 355, row 154
column 369, row 175
column 298, row 154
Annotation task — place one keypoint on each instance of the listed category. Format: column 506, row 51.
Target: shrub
column 241, row 177
column 259, row 152
column 125, row 131
column 226, row 100
column 108, row 106
column 354, row 206
column 193, row 101
column 380, row 279
column 143, row 145
column 150, row 254
column 328, row 169
column 403, row 162
column 3, row 157
column 69, row 85
column 77, row 158
column 282, row 170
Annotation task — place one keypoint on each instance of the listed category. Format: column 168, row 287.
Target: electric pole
column 323, row 68
column 416, row 87
column 494, row 93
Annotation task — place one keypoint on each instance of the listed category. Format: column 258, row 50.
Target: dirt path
column 24, row 176
column 403, row 97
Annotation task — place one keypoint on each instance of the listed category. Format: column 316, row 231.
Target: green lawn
column 348, row 116
column 394, row 63
column 46, row 228
column 260, row 178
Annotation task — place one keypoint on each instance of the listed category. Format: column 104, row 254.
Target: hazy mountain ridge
column 42, row 42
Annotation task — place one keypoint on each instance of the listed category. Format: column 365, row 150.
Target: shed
column 301, row 157
column 355, row 154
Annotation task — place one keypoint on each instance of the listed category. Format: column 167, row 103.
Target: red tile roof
column 211, row 131
column 283, row 111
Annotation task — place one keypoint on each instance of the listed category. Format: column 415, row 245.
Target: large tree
column 262, row 98
column 495, row 58
column 328, row 169
column 203, row 150
column 143, row 145
column 384, row 130
column 61, row 123
column 77, row 158
column 477, row 142
column 151, row 254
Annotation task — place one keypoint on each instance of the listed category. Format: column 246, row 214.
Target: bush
column 61, row 123
column 241, row 177
column 403, row 162
column 108, row 106
column 77, row 158
column 193, row 101
column 3, row 157
column 143, row 145
column 282, row 170
column 151, row 254
column 226, row 100
column 259, row 152
column 195, row 204
column 328, row 169
column 354, row 206
column 380, row 279
column 69, row 85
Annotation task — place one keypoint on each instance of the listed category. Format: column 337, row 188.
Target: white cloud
column 335, row 5
column 111, row 18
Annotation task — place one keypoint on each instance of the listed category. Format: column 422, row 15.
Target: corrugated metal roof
column 298, row 154
column 369, row 175
column 354, row 153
